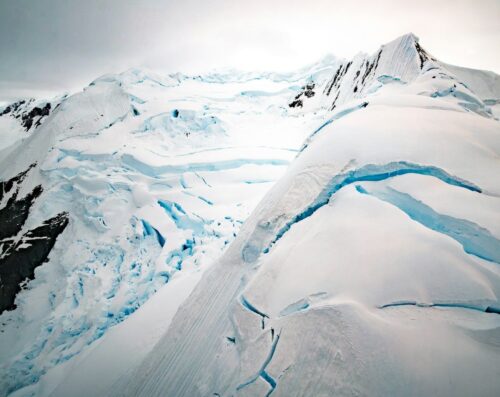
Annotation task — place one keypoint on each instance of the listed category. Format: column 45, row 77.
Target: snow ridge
column 388, row 213
column 356, row 251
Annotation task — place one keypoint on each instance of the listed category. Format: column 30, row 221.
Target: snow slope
column 371, row 266
column 156, row 174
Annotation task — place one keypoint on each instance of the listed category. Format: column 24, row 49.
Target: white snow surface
column 370, row 268
column 157, row 174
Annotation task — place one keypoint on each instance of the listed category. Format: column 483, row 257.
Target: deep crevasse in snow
column 157, row 176
column 366, row 257
column 157, row 182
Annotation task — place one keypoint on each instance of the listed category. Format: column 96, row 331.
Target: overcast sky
column 51, row 46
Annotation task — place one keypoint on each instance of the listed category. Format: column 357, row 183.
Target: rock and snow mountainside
column 371, row 267
column 135, row 184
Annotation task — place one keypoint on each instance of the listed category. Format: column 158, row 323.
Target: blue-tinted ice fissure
column 298, row 306
column 269, row 379
column 486, row 308
column 181, row 219
column 203, row 179
column 370, row 172
column 155, row 171
column 247, row 305
column 205, row 200
column 470, row 102
column 177, row 256
column 474, row 239
column 262, row 373
column 151, row 231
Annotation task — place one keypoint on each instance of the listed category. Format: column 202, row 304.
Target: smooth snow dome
column 329, row 231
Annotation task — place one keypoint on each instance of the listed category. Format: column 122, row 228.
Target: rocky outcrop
column 22, row 252
column 30, row 115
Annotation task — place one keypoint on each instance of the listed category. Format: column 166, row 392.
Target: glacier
column 152, row 195
column 332, row 231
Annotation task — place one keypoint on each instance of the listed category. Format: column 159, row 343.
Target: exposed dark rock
column 36, row 112
column 423, row 55
column 335, row 101
column 367, row 72
column 14, row 214
column 30, row 116
column 6, row 110
column 19, row 261
column 296, row 103
column 334, row 80
column 307, row 91
column 347, row 67
column 371, row 67
column 5, row 187
column 13, row 107
column 20, row 255
column 378, row 59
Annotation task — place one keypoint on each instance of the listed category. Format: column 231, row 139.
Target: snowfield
column 157, row 177
column 334, row 231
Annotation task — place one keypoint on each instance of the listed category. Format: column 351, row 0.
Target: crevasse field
column 329, row 232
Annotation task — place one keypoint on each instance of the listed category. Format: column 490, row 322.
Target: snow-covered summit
column 135, row 182
column 400, row 61
column 367, row 262
column 371, row 266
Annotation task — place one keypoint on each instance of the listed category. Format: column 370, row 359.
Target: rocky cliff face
column 22, row 251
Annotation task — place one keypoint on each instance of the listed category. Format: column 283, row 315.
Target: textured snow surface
column 157, row 175
column 223, row 243
column 370, row 268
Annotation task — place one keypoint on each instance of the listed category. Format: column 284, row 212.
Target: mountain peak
column 406, row 38
column 407, row 48
column 402, row 58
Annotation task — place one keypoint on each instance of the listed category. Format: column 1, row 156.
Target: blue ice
column 151, row 231
column 371, row 172
column 474, row 239
column 181, row 219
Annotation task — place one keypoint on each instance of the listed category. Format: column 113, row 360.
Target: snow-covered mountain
column 147, row 177
column 369, row 268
